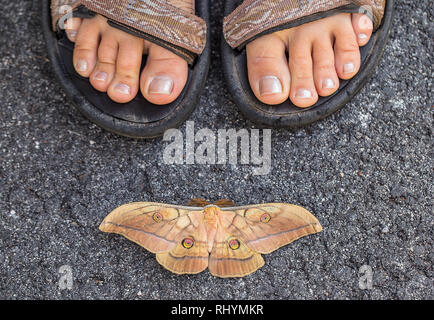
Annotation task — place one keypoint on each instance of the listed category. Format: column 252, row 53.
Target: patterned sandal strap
column 155, row 20
column 257, row 17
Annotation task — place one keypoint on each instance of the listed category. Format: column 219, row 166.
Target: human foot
column 319, row 53
column 111, row 59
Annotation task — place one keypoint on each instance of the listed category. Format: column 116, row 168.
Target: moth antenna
column 197, row 202
column 222, row 203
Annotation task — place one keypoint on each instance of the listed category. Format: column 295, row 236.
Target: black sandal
column 138, row 118
column 287, row 115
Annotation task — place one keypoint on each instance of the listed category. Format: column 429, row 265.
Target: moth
column 226, row 239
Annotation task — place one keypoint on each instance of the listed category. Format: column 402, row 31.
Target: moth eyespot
column 157, row 217
column 187, row 243
column 234, row 243
column 265, row 218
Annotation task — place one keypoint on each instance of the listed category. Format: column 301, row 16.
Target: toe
column 268, row 69
column 363, row 28
column 86, row 47
column 125, row 84
column 164, row 75
column 303, row 93
column 105, row 69
column 324, row 71
column 347, row 52
column 71, row 28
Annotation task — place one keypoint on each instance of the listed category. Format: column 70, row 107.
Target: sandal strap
column 254, row 18
column 155, row 20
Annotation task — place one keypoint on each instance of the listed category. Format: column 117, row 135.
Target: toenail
column 363, row 36
column 349, row 67
column 328, row 83
column 101, row 76
column 303, row 94
column 81, row 65
column 270, row 85
column 123, row 88
column 161, row 85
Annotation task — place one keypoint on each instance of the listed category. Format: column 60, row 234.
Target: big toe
column 164, row 76
column 268, row 69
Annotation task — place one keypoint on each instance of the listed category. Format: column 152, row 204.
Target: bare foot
column 111, row 59
column 320, row 53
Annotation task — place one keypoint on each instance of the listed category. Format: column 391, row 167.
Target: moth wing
column 157, row 227
column 267, row 227
column 230, row 256
column 190, row 255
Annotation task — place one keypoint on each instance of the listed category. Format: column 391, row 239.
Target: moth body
column 210, row 217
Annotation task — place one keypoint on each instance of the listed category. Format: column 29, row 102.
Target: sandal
column 138, row 118
column 240, row 28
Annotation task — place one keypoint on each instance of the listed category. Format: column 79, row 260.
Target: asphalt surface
column 365, row 172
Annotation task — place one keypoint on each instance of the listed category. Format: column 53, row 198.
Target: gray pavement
column 366, row 173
